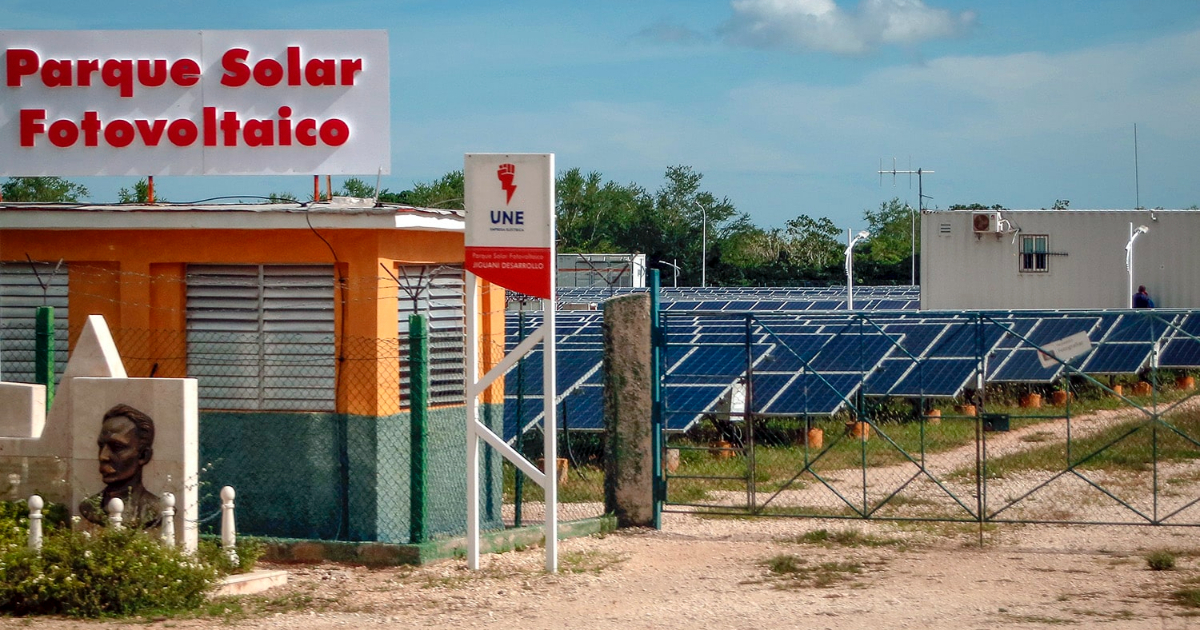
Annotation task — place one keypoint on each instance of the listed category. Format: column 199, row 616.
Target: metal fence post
column 44, row 351
column 519, row 479
column 656, row 402
column 418, row 363
column 748, row 418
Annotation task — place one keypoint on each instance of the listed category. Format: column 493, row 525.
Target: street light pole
column 675, row 268
column 703, row 244
column 1133, row 234
column 850, row 243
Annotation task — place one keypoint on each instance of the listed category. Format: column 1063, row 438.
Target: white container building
column 1057, row 259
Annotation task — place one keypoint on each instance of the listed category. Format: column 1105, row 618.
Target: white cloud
column 822, row 25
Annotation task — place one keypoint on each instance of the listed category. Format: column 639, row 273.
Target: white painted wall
column 961, row 270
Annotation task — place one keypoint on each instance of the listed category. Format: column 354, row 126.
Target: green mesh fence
column 314, row 434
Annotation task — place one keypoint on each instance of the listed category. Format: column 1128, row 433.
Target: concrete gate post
column 628, row 452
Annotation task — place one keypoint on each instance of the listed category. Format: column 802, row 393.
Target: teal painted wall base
column 382, row 554
column 327, row 476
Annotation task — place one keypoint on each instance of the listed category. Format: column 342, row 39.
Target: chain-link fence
column 1062, row 417
column 318, row 434
column 579, row 416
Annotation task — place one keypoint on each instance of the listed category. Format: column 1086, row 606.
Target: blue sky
column 786, row 106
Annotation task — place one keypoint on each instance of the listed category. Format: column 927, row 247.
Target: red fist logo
column 505, row 174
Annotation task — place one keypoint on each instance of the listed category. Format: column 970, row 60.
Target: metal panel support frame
column 476, row 385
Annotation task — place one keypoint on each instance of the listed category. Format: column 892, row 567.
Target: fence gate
column 1049, row 417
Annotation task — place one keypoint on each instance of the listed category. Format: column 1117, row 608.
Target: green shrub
column 113, row 572
column 14, row 520
column 1160, row 561
column 249, row 550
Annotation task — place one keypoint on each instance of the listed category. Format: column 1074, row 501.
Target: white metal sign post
column 509, row 199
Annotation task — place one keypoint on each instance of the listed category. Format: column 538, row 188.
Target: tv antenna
column 1137, row 186
column 920, row 173
column 921, row 197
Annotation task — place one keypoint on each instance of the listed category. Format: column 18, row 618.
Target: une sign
column 193, row 102
column 510, row 220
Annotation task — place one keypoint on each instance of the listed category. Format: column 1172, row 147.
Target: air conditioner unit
column 986, row 223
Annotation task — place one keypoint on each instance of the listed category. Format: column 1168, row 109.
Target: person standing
column 1141, row 299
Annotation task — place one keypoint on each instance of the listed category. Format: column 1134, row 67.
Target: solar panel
column 530, row 413
column 936, row 377
column 1182, row 350
column 1127, row 347
column 1023, row 364
column 583, row 409
column 687, row 403
column 710, row 362
column 844, row 353
column 806, row 393
column 915, row 339
column 792, row 353
column 882, row 381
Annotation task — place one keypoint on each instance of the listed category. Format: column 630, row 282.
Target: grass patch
column 785, row 466
column 1038, row 436
column 849, row 538
column 1055, row 621
column 1129, row 446
column 792, row 571
column 584, row 484
column 588, row 561
column 1160, row 560
column 1187, row 597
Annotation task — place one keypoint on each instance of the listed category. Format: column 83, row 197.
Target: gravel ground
column 710, row 572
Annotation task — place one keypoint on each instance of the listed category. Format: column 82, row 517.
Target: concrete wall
column 960, row 270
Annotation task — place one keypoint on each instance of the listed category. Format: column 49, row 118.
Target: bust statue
column 126, row 445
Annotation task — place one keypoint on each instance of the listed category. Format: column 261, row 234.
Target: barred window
column 261, row 337
column 1035, row 257
column 437, row 292
column 21, row 293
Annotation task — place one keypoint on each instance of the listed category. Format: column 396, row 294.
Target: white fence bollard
column 35, row 522
column 168, row 519
column 228, row 533
column 115, row 508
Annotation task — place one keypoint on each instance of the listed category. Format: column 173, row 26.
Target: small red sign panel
column 522, row 269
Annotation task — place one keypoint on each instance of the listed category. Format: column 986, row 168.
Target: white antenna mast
column 1137, row 188
column 920, row 173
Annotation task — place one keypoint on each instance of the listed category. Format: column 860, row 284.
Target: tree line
column 667, row 224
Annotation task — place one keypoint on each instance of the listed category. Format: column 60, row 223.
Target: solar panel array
column 805, row 362
column 757, row 298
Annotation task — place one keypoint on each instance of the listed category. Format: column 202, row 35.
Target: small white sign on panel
column 1064, row 349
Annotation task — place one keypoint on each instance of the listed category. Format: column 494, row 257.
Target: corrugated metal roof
column 339, row 213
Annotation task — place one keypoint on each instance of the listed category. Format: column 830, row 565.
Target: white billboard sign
column 77, row 103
